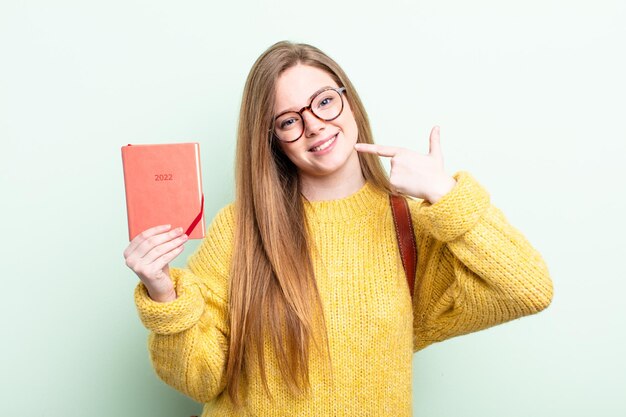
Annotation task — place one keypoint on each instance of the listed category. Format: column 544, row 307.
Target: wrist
column 162, row 295
column 442, row 190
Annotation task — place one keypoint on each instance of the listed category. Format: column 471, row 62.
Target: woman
column 296, row 301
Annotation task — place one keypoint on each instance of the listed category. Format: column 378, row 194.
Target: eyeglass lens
column 327, row 105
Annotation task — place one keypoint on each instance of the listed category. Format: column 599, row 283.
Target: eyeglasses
column 326, row 105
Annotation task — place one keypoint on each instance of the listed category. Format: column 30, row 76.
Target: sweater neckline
column 363, row 202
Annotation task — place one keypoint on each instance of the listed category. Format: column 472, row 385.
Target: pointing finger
column 380, row 150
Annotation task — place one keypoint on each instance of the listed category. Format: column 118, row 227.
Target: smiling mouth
column 324, row 145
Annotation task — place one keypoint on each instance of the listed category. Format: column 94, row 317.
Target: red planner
column 164, row 186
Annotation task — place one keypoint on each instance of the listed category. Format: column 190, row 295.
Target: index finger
column 380, row 150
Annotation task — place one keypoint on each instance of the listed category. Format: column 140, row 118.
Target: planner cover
column 164, row 186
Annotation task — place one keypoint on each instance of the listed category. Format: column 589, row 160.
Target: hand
column 414, row 174
column 149, row 255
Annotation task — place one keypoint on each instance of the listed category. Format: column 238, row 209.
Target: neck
column 342, row 183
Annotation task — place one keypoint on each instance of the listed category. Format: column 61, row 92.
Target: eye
column 325, row 101
column 284, row 124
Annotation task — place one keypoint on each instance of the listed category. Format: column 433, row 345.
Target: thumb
column 435, row 143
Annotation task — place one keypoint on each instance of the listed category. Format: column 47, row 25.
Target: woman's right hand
column 149, row 255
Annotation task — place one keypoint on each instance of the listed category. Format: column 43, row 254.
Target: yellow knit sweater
column 474, row 271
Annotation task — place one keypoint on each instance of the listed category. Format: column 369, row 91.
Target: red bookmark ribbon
column 197, row 219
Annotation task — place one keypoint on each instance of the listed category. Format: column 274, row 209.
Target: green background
column 530, row 99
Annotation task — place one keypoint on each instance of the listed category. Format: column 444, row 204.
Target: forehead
column 295, row 86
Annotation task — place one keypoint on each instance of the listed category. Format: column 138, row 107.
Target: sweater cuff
column 173, row 316
column 457, row 211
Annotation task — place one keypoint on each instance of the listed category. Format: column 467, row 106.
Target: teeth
column 324, row 145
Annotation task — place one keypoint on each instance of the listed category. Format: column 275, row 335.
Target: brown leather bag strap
column 406, row 237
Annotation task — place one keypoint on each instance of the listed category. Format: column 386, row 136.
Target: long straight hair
column 273, row 292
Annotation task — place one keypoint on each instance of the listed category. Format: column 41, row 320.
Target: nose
column 312, row 124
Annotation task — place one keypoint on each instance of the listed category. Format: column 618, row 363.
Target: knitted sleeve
column 188, row 340
column 475, row 270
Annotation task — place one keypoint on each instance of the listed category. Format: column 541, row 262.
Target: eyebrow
column 310, row 98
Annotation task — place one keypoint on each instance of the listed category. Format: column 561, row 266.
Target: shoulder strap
column 406, row 237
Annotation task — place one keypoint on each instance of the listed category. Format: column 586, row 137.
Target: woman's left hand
column 414, row 174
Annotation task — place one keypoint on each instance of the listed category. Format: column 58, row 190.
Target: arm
column 188, row 340
column 475, row 270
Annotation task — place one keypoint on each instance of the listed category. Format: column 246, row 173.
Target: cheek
column 350, row 126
